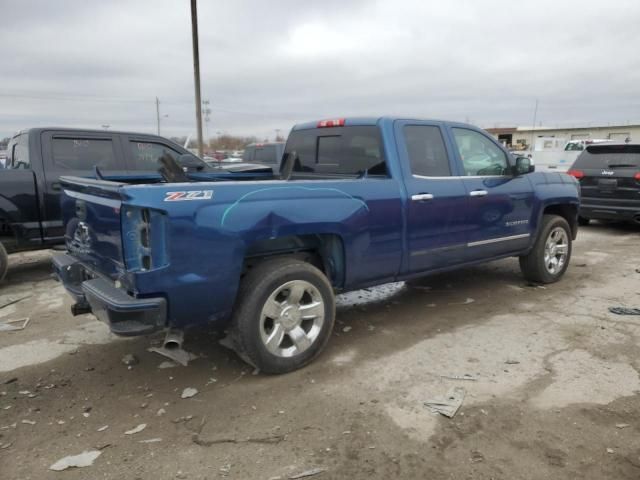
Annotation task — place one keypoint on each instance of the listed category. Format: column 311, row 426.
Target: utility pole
column 196, row 71
column 158, row 115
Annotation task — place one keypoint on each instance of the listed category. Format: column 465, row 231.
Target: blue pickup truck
column 357, row 202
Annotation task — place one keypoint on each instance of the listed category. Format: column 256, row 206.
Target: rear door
column 437, row 199
column 609, row 175
column 500, row 204
column 74, row 154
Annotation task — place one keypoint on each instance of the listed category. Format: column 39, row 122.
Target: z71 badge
column 188, row 195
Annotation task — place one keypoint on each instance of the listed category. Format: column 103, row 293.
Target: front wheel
column 4, row 262
column 550, row 255
column 284, row 315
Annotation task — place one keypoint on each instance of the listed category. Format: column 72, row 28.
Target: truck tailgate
column 91, row 213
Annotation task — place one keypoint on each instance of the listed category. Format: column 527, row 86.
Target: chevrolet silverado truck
column 356, row 203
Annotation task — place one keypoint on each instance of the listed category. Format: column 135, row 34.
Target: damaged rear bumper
column 124, row 313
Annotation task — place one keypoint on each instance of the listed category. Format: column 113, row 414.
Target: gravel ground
column 551, row 383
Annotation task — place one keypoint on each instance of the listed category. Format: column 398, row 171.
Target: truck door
column 74, row 154
column 18, row 196
column 500, row 203
column 435, row 209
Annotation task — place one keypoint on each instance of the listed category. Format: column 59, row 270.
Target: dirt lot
column 556, row 390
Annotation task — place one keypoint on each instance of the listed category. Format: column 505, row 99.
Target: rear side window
column 609, row 156
column 266, row 154
column 340, row 151
column 83, row 153
column 427, row 154
column 145, row 155
column 20, row 152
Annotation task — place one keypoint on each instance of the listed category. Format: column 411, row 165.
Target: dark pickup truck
column 357, row 202
column 30, row 216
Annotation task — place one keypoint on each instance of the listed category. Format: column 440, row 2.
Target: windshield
column 609, row 156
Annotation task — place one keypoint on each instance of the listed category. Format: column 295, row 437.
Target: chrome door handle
column 421, row 197
column 478, row 193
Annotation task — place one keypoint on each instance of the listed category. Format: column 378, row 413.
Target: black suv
column 609, row 176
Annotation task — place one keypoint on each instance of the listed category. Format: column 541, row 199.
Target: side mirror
column 524, row 165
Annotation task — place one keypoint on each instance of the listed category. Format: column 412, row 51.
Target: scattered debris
column 14, row 325
column 129, row 359
column 177, row 354
column 28, row 422
column 512, row 362
column 610, row 450
column 189, row 392
column 466, row 302
column 347, row 329
column 5, row 445
column 476, row 456
column 150, row 440
column 579, row 264
column 160, row 412
column 308, row 473
column 168, row 364
column 622, row 425
column 103, row 428
column 466, row 376
column 449, row 405
column 182, row 419
column 12, row 301
column 10, row 380
column 84, row 459
column 624, row 311
column 137, row 429
column 269, row 439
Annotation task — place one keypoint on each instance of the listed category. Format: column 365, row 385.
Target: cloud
column 268, row 65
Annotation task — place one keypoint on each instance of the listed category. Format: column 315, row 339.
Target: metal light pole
column 158, row 115
column 196, row 71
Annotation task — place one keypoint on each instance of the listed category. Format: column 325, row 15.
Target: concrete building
column 522, row 137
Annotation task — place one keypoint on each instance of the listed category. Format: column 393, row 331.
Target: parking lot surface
column 550, row 377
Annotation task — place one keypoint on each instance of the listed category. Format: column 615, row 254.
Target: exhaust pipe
column 173, row 340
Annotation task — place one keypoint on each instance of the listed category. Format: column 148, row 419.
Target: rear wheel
column 4, row 262
column 549, row 258
column 284, row 315
column 583, row 221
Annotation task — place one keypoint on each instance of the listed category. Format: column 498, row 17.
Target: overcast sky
column 269, row 65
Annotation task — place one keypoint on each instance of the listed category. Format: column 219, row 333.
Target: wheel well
column 568, row 212
column 325, row 251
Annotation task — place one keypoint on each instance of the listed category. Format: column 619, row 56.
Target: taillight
column 144, row 238
column 637, row 176
column 576, row 173
column 336, row 122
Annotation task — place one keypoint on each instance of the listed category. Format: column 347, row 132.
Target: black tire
column 4, row 262
column 583, row 221
column 533, row 265
column 255, row 290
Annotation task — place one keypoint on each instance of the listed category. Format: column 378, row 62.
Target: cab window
column 479, row 155
column 427, row 154
column 20, row 153
column 145, row 155
column 83, row 153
